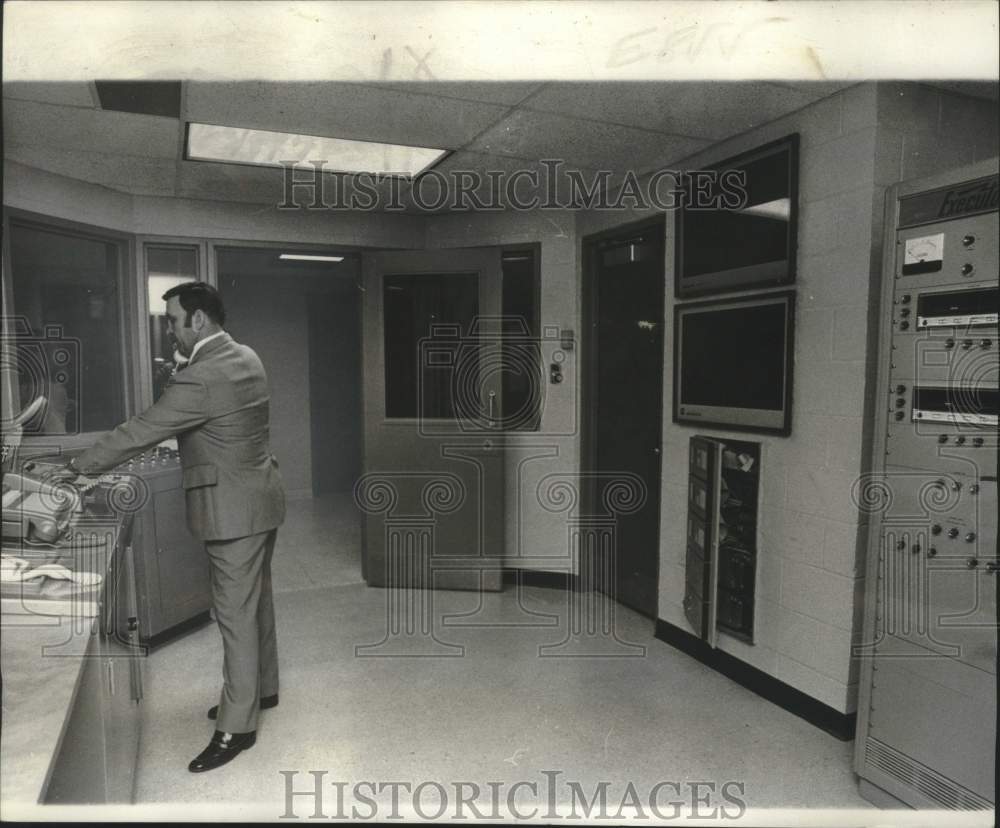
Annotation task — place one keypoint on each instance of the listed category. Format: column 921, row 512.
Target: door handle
column 492, row 404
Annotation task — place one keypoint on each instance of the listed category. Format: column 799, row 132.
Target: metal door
column 433, row 484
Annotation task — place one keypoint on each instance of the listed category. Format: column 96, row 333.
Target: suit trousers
column 244, row 610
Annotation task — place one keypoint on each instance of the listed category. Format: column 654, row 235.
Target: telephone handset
column 35, row 511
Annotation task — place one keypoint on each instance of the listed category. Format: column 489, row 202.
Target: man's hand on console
column 68, row 474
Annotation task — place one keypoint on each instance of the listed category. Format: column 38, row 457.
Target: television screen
column 738, row 225
column 733, row 362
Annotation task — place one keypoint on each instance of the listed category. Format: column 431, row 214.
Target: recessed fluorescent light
column 303, row 257
column 780, row 208
column 234, row 145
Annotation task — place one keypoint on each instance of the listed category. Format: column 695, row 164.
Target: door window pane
column 431, row 361
column 67, row 328
column 522, row 374
column 166, row 266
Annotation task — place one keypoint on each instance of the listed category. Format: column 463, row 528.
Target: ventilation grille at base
column 921, row 778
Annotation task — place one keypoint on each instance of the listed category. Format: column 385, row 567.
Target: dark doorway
column 623, row 396
column 335, row 387
column 302, row 317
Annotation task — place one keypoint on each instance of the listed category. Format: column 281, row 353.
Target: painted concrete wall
column 810, row 587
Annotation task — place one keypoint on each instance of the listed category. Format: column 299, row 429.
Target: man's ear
column 198, row 320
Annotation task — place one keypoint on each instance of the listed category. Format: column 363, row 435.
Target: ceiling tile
column 342, row 110
column 494, row 92
column 66, row 93
column 590, row 144
column 554, row 183
column 988, row 90
column 127, row 173
column 701, row 109
column 93, row 130
column 264, row 185
column 229, row 182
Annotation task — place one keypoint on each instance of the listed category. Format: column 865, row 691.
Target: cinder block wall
column 854, row 144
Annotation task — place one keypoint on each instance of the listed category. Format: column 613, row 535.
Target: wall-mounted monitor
column 737, row 225
column 733, row 362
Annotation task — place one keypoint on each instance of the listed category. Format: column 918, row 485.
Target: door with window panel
column 433, row 488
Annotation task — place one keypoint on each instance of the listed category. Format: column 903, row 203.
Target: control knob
column 968, row 240
column 967, row 269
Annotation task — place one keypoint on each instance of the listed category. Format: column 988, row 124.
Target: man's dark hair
column 198, row 296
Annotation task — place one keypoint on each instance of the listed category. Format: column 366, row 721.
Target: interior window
column 522, row 376
column 66, row 328
column 166, row 266
column 431, row 364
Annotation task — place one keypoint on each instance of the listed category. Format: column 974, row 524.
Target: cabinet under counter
column 72, row 685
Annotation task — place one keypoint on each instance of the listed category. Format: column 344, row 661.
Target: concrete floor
column 497, row 703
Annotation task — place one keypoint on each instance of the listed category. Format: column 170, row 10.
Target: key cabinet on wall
column 721, row 562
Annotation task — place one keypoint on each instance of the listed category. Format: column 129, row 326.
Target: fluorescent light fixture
column 780, row 208
column 160, row 283
column 303, row 257
column 235, row 145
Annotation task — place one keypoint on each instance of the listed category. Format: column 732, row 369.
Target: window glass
column 67, row 328
column 431, row 364
column 166, row 266
column 522, row 378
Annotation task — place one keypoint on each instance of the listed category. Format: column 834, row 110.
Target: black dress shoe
column 223, row 748
column 266, row 703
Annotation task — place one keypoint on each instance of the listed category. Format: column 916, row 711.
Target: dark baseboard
column 784, row 695
column 540, row 578
column 177, row 630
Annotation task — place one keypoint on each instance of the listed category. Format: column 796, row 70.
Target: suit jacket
column 217, row 407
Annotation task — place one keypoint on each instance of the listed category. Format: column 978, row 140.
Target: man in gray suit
column 217, row 407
